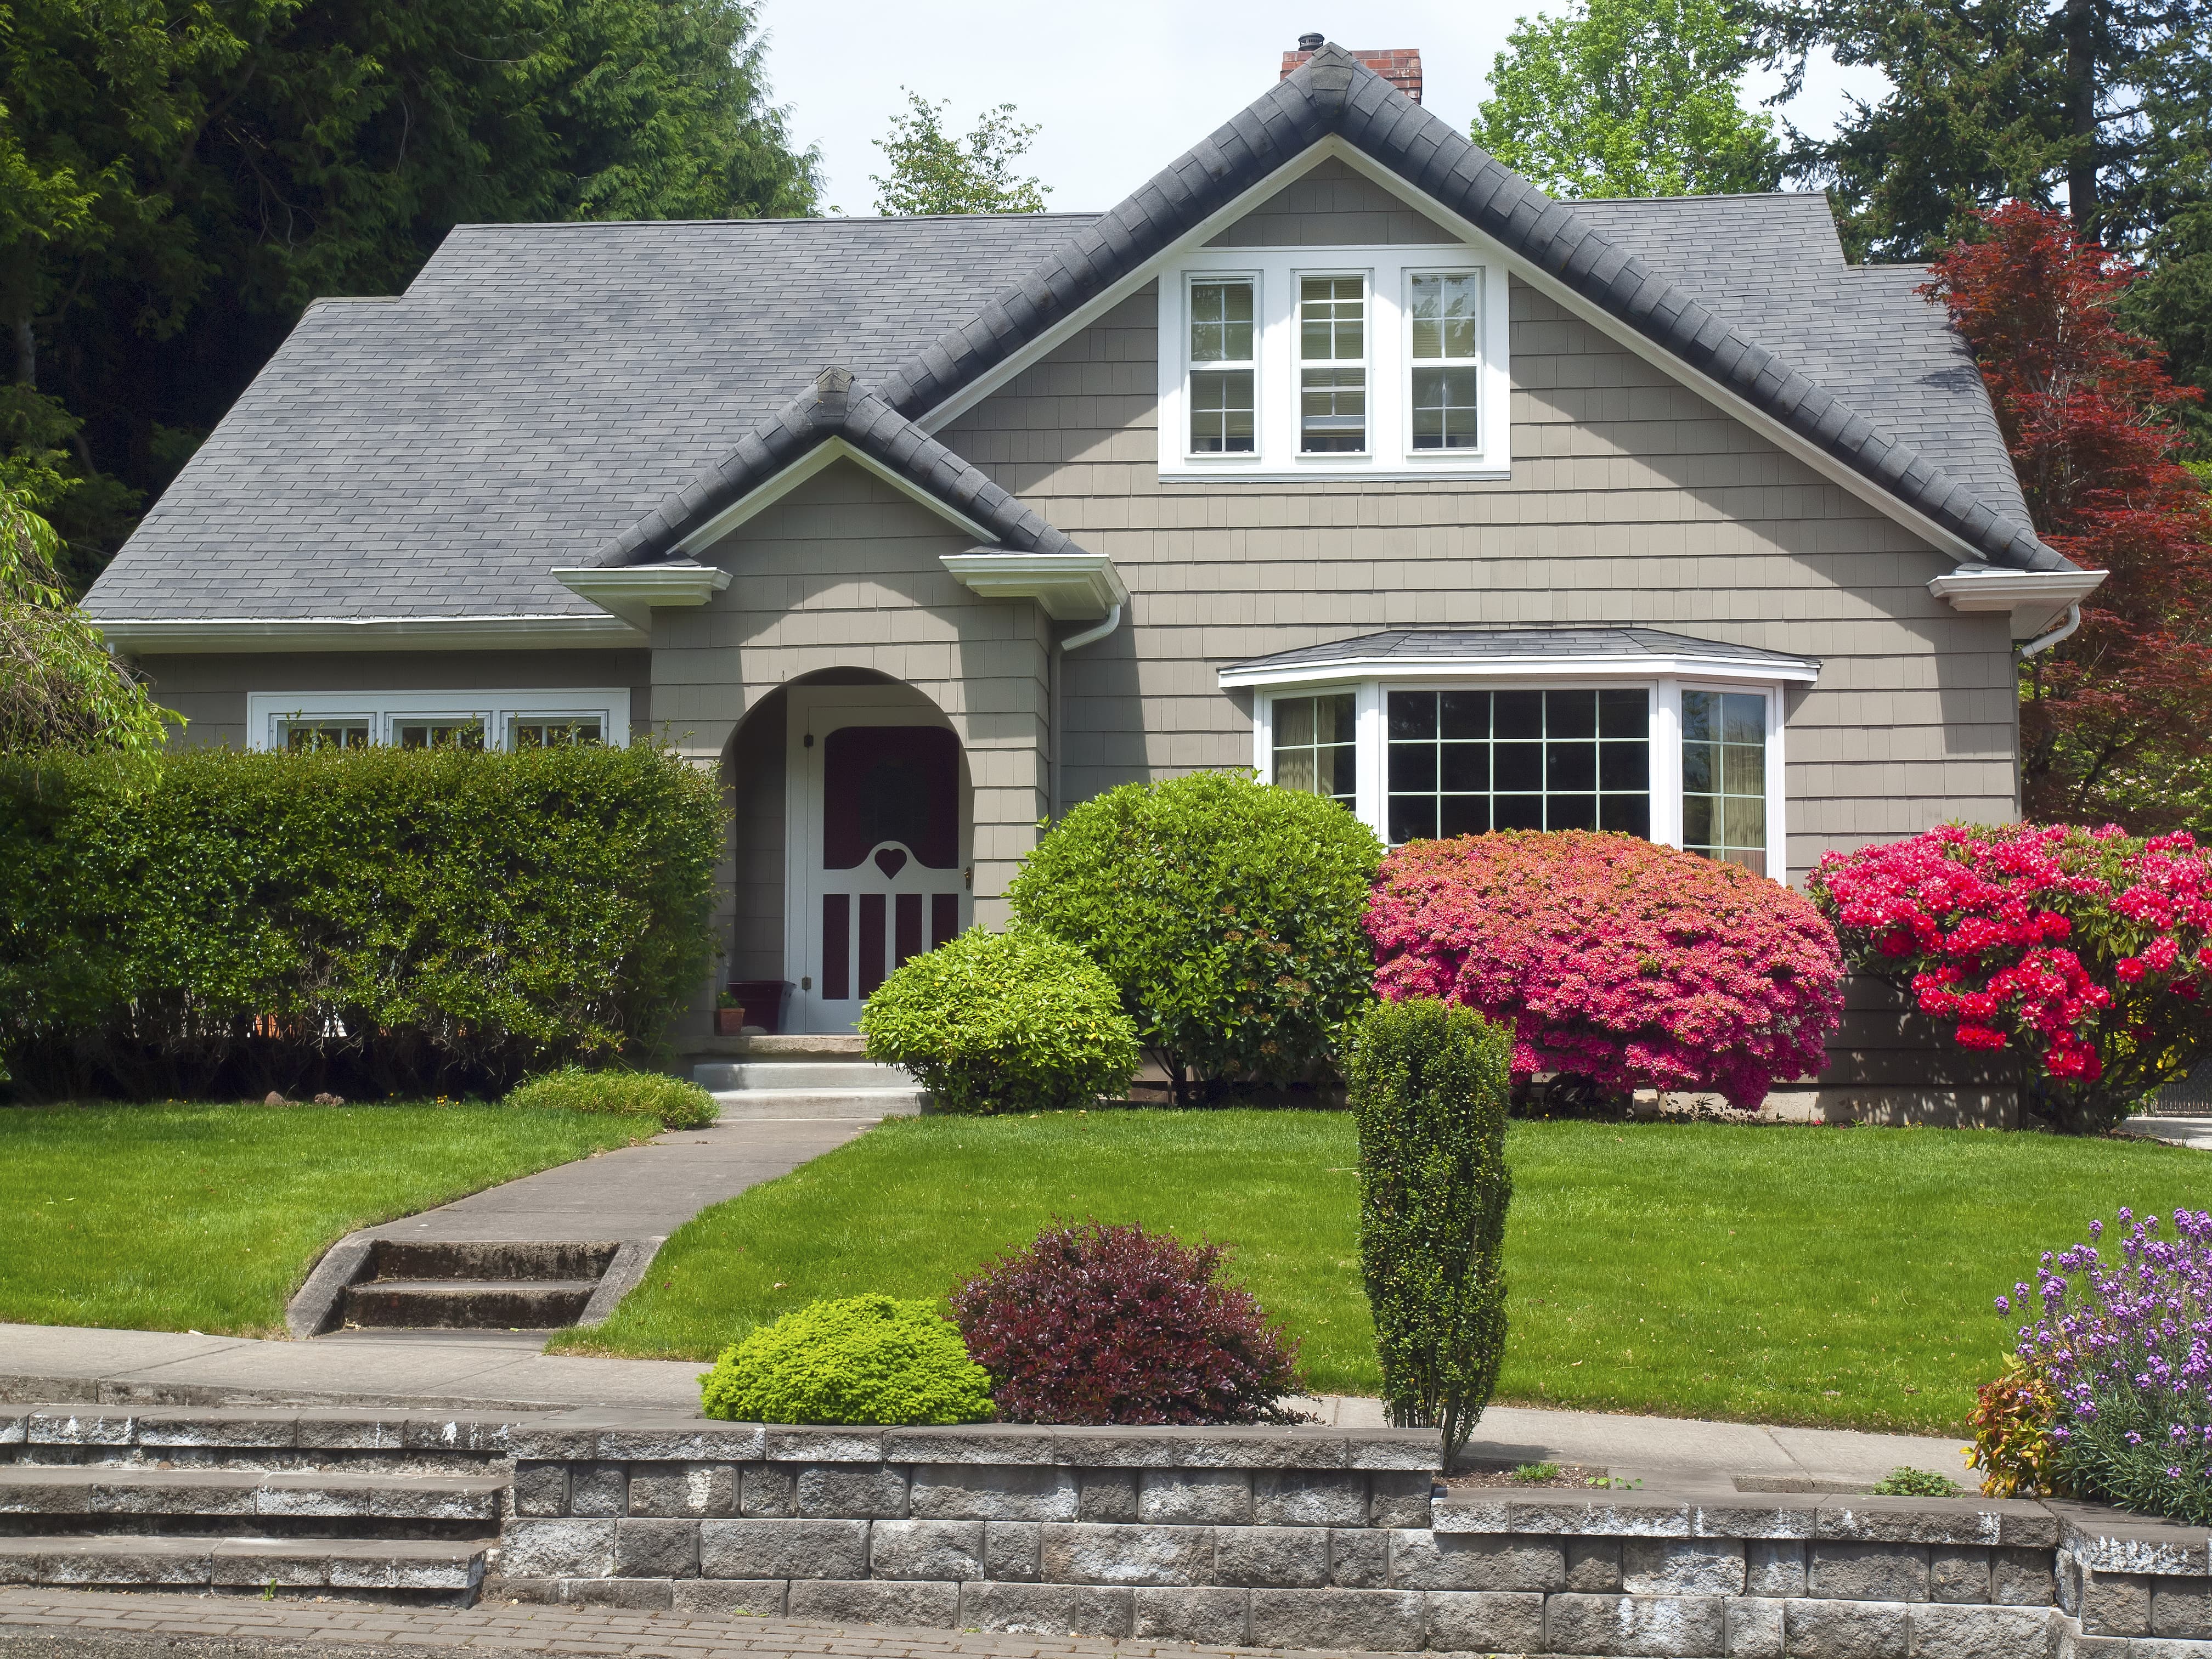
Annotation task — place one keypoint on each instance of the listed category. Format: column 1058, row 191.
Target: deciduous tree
column 1628, row 98
column 934, row 172
column 2116, row 720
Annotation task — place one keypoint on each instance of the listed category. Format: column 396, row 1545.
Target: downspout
column 2063, row 631
column 1072, row 643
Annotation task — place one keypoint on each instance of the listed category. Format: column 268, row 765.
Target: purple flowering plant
column 2126, row 1347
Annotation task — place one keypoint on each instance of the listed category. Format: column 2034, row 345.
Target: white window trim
column 1665, row 707
column 609, row 705
column 1387, row 272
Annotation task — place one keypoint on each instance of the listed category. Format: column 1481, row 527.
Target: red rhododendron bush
column 1632, row 966
column 2084, row 952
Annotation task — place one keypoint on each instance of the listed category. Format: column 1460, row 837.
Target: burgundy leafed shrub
column 1633, row 965
column 1112, row 1324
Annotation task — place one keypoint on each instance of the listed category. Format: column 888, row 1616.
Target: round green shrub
column 1004, row 1023
column 858, row 1360
column 1226, row 910
column 676, row 1104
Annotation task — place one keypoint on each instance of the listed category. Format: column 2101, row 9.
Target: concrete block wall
column 1315, row 1538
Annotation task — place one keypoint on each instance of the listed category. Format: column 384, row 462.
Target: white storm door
column 875, row 850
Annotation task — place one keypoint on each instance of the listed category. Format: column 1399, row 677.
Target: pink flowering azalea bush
column 2123, row 1346
column 1627, row 964
column 2084, row 953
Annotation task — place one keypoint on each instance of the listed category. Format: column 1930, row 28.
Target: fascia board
column 1333, row 145
column 198, row 635
column 1684, row 666
column 773, row 489
column 1070, row 586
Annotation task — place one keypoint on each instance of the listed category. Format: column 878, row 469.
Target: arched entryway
column 855, row 837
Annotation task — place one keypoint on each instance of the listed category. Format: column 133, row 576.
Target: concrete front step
column 525, row 1304
column 479, row 1259
column 89, row 1493
column 813, row 1076
column 447, row 1569
column 871, row 1104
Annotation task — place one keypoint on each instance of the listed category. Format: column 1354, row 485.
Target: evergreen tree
column 1628, row 98
column 178, row 177
column 934, row 172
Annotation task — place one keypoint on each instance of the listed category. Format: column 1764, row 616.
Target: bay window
column 1462, row 733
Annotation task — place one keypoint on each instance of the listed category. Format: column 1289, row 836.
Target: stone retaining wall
column 1320, row 1539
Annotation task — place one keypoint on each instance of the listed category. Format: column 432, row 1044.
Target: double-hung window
column 1332, row 365
column 1223, row 366
column 1303, row 363
column 508, row 720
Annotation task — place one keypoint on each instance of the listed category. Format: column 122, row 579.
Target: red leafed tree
column 2115, row 722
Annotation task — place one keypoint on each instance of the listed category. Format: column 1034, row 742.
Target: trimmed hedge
column 380, row 921
column 1228, row 912
column 856, row 1360
column 1003, row 1022
column 670, row 1101
column 1429, row 1089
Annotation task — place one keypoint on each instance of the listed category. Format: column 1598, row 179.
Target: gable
column 1333, row 206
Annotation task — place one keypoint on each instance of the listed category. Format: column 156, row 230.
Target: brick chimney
column 1400, row 65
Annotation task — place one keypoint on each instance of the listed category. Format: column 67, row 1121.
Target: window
column 1467, row 761
column 1333, row 364
column 1724, row 776
column 1316, row 745
column 1223, row 329
column 475, row 718
column 1443, row 320
column 439, row 732
column 337, row 732
column 533, row 732
column 1373, row 362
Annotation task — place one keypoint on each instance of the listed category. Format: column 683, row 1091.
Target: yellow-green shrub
column 857, row 1359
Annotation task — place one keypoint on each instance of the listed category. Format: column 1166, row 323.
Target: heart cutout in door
column 890, row 862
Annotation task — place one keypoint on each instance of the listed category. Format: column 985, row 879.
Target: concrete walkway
column 2176, row 1131
column 634, row 1192
column 46, row 1363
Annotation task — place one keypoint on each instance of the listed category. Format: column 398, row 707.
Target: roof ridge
column 1332, row 95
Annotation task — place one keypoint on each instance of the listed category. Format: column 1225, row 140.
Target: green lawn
column 1832, row 1276
column 178, row 1217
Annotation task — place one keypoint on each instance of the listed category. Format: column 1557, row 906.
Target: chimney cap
column 1312, row 42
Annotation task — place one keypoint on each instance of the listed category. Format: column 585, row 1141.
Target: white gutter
column 1091, row 635
column 2063, row 632
column 1672, row 664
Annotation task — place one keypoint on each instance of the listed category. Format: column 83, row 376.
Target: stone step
column 89, row 1492
column 477, row 1304
column 815, row 1076
column 477, row 1259
column 870, row 1103
column 450, row 1569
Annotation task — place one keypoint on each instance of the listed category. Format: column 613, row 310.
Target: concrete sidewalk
column 468, row 1371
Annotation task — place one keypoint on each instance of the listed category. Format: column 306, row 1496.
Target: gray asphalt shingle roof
column 1412, row 646
column 557, row 395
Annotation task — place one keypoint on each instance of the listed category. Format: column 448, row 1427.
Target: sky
column 1120, row 90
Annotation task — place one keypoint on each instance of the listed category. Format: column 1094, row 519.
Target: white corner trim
column 2035, row 598
column 200, row 636
column 770, row 490
column 1524, row 670
column 631, row 590
column 1071, row 586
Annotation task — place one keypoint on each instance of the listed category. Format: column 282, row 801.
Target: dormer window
column 1319, row 362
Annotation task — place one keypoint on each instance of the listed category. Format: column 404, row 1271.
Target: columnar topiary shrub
column 1113, row 1324
column 1429, row 1087
column 1631, row 964
column 380, row 921
column 672, row 1102
column 1226, row 911
column 1003, row 1022
column 2085, row 954
column 857, row 1359
column 2120, row 1345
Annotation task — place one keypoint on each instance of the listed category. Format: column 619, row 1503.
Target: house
column 1336, row 450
